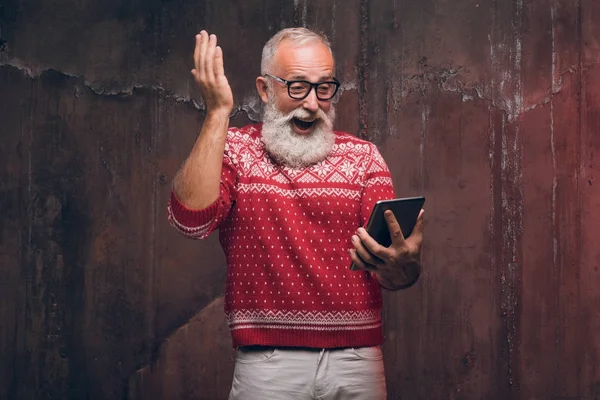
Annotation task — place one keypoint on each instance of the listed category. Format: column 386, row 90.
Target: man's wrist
column 402, row 278
column 218, row 113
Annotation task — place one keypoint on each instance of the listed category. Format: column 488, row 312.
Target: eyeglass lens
column 324, row 90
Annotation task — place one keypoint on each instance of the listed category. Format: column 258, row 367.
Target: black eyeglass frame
column 334, row 82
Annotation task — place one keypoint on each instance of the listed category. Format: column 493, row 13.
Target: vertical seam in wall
column 578, row 173
column 151, row 307
column 555, row 272
column 363, row 76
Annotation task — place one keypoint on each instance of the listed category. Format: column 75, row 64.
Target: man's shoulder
column 245, row 136
column 241, row 139
column 349, row 137
column 348, row 140
column 250, row 130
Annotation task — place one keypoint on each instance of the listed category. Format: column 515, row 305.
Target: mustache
column 303, row 114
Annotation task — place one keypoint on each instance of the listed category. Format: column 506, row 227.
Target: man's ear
column 263, row 90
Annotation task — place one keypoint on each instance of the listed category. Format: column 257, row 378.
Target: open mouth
column 303, row 125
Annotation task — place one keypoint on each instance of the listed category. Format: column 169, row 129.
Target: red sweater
column 286, row 235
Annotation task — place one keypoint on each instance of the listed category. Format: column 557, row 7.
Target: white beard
column 291, row 149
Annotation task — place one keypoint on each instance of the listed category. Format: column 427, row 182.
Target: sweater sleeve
column 198, row 224
column 377, row 184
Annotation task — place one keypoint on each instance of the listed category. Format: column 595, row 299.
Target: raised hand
column 210, row 75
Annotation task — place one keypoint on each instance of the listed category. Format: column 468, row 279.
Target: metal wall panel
column 489, row 108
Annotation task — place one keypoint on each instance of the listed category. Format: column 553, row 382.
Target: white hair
column 297, row 36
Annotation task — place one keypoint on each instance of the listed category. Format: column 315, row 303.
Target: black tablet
column 406, row 211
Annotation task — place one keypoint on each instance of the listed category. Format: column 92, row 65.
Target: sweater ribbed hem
column 314, row 339
column 189, row 217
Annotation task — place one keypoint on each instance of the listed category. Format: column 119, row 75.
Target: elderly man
column 289, row 197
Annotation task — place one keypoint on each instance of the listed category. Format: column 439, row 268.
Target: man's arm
column 196, row 184
column 399, row 265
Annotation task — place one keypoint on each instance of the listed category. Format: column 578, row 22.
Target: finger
column 196, row 71
column 201, row 67
column 210, row 58
column 419, row 226
column 371, row 244
column 416, row 237
column 359, row 263
column 219, row 68
column 395, row 231
column 364, row 253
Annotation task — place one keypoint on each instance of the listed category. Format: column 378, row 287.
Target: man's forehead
column 297, row 60
column 301, row 76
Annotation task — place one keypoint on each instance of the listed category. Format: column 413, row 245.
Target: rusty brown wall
column 490, row 108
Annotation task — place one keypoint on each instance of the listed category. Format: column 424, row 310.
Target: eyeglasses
column 299, row 90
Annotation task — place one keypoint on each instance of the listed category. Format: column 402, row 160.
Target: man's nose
column 311, row 102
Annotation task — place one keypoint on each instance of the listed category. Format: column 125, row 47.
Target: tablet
column 406, row 210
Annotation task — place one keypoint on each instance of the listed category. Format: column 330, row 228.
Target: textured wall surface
column 489, row 108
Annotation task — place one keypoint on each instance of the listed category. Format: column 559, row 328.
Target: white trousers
column 273, row 373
